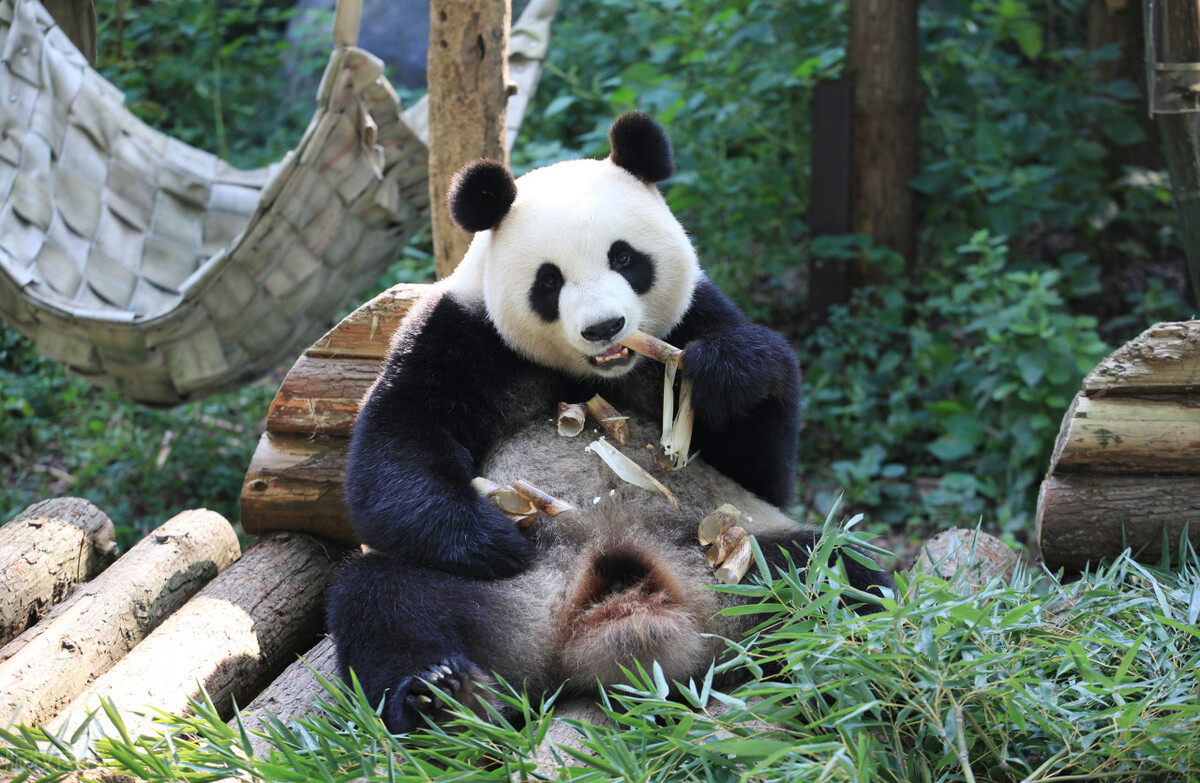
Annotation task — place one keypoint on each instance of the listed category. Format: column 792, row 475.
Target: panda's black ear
column 641, row 147
column 480, row 195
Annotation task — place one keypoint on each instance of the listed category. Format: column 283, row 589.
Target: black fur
column 632, row 264
column 746, row 393
column 543, row 294
column 641, row 147
column 442, row 402
column 481, row 194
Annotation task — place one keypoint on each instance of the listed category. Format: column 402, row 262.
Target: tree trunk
column 468, row 94
column 882, row 60
column 48, row 665
column 1119, row 22
column 293, row 694
column 295, row 483
column 237, row 633
column 44, row 550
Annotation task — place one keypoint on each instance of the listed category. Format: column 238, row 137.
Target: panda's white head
column 572, row 258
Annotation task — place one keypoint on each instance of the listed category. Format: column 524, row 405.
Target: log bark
column 292, row 695
column 295, row 483
column 468, row 96
column 1085, row 518
column 882, row 59
column 48, row 665
column 367, row 332
column 44, row 551
column 1164, row 359
column 1130, row 435
column 320, row 396
column 236, row 634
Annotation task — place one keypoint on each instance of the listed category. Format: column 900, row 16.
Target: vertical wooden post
column 468, row 92
column 882, row 60
column 829, row 192
column 1179, row 25
column 77, row 18
column 1119, row 22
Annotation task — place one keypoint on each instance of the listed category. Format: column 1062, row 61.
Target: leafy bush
column 1030, row 680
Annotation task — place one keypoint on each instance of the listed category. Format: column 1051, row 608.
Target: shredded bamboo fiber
column 157, row 269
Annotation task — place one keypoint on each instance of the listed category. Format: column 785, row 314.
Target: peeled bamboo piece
column 628, row 470
column 44, row 550
column 545, row 502
column 610, row 419
column 651, row 347
column 716, row 523
column 736, row 564
column 238, row 632
column 571, row 416
column 726, row 544
column 48, row 665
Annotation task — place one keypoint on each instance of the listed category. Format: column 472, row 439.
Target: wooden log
column 320, row 396
column 367, row 331
column 972, row 556
column 236, row 634
column 292, row 695
column 1164, row 359
column 1085, row 518
column 1130, row 435
column 52, row 662
column 44, row 550
column 295, row 483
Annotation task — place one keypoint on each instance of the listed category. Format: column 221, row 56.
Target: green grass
column 1027, row 680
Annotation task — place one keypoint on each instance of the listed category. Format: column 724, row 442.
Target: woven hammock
column 157, row 269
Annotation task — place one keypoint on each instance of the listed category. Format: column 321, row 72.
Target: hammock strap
column 346, row 20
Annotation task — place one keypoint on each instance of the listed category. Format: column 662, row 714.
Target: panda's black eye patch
column 635, row 266
column 543, row 294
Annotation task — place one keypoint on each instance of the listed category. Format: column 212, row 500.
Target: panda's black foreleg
column 799, row 547
column 401, row 628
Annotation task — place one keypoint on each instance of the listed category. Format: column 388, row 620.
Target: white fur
column 569, row 214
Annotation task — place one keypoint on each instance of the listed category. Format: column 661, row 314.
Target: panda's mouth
column 616, row 355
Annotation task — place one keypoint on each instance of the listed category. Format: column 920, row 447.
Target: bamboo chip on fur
column 509, row 500
column 727, row 543
column 676, row 439
column 628, row 470
column 615, row 425
column 545, row 502
column 736, row 564
column 570, row 418
column 716, row 523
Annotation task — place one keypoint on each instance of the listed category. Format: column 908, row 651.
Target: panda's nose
column 603, row 331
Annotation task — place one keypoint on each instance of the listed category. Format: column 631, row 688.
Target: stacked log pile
column 1126, row 467
column 184, row 609
column 295, row 477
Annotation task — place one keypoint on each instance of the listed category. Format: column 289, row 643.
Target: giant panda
column 620, row 579
column 566, row 262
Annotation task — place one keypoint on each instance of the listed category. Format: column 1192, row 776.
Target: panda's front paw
column 415, row 699
column 492, row 548
column 735, row 369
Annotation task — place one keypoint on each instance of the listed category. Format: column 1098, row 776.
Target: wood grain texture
column 44, row 551
column 48, row 665
column 233, row 636
column 1164, row 359
column 1085, row 518
column 295, row 483
column 1130, row 435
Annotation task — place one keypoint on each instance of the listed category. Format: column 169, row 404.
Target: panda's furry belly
column 623, row 578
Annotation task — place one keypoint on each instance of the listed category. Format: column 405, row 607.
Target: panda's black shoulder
column 709, row 309
column 448, row 347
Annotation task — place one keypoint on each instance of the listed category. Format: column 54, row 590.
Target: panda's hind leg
column 402, row 628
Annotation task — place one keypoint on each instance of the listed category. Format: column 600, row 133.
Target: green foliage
column 957, row 377
column 1029, row 680
column 212, row 74
column 61, row 436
